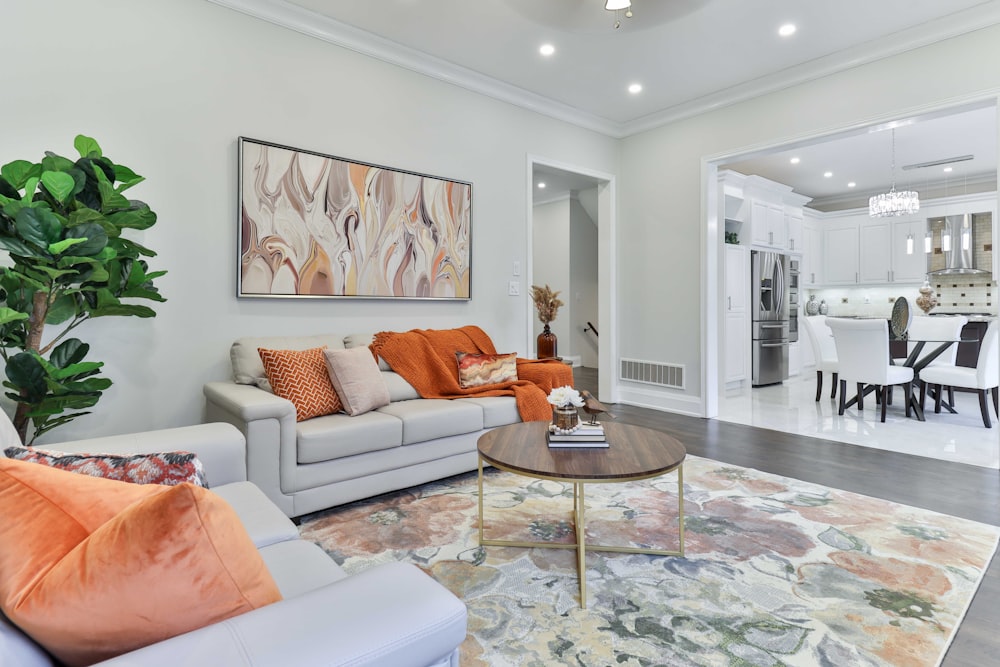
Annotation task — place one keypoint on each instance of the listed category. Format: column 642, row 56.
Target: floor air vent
column 663, row 375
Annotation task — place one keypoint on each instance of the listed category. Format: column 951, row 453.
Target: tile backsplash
column 956, row 294
column 963, row 294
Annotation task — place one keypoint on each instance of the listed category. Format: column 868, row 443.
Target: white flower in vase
column 563, row 397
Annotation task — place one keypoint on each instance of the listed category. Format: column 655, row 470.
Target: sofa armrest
column 221, row 448
column 393, row 615
column 268, row 424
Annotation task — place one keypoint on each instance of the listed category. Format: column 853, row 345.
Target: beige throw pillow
column 357, row 379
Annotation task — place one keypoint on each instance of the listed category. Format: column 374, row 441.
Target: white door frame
column 607, row 269
column 710, row 234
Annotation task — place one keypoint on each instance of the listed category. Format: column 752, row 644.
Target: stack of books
column 586, row 435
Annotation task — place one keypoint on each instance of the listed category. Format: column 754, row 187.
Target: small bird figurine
column 592, row 406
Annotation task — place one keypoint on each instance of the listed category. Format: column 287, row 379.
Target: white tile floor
column 791, row 407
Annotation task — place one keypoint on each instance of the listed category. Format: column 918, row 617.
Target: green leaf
column 70, row 351
column 126, row 177
column 38, row 226
column 29, row 189
column 56, row 273
column 25, row 372
column 84, row 369
column 82, row 215
column 60, row 247
column 53, row 162
column 59, row 184
column 17, row 247
column 93, row 239
column 11, row 315
column 61, row 310
column 133, row 219
column 18, row 172
column 87, row 146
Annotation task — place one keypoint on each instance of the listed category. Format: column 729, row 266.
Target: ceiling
column 689, row 56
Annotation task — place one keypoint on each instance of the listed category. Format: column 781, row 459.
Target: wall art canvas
column 314, row 225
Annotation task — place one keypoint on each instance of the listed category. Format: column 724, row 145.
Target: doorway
column 571, row 249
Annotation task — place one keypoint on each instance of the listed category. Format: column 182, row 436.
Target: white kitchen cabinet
column 908, row 268
column 874, row 256
column 812, row 257
column 736, row 343
column 767, row 223
column 736, row 338
column 737, row 279
column 794, row 359
column 793, row 222
column 840, row 254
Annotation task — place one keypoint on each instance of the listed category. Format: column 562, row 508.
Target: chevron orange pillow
column 300, row 376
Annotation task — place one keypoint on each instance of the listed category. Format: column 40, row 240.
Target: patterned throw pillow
column 167, row 468
column 476, row 370
column 300, row 376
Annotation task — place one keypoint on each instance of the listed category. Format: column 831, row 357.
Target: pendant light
column 893, row 203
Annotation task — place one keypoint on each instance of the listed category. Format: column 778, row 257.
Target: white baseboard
column 663, row 401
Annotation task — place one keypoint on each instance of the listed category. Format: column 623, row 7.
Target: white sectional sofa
column 326, row 461
column 393, row 615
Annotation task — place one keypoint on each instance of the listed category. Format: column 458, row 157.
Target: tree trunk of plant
column 36, row 325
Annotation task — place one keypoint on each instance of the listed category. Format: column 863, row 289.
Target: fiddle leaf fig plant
column 62, row 223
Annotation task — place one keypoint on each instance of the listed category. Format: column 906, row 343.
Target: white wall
column 582, row 294
column 167, row 87
column 662, row 214
column 550, row 265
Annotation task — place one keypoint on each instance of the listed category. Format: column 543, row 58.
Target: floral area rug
column 776, row 571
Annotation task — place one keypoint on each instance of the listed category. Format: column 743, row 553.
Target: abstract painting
column 314, row 225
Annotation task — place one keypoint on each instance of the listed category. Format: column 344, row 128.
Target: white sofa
column 393, row 615
column 327, row 461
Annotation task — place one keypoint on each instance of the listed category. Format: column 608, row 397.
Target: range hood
column 959, row 261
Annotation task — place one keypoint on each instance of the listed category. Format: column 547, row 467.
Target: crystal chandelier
column 894, row 202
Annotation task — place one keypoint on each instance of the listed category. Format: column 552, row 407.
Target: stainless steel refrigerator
column 770, row 312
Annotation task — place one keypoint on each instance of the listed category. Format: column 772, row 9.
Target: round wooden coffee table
column 635, row 453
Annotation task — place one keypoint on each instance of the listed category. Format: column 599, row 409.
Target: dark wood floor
column 960, row 490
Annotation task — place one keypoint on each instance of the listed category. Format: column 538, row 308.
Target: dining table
column 917, row 360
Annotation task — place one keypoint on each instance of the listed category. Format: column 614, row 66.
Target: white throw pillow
column 357, row 379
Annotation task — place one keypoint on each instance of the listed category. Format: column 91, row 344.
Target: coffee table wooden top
column 635, row 453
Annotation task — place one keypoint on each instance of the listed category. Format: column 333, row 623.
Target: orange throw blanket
column 426, row 359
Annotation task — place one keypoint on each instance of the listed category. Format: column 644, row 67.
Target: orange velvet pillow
column 301, row 377
column 93, row 568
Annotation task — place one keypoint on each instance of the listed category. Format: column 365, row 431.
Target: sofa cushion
column 301, row 377
column 399, row 389
column 364, row 340
column 299, row 567
column 478, row 370
column 336, row 436
column 247, row 366
column 263, row 521
column 430, row 418
column 357, row 379
column 88, row 587
column 166, row 468
column 497, row 410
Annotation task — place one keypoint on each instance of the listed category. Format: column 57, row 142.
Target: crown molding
column 925, row 34
column 980, row 183
column 312, row 24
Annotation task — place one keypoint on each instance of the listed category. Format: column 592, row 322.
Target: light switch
column 514, row 288
column 517, row 268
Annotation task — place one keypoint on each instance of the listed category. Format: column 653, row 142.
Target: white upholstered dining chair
column 863, row 357
column 936, row 328
column 824, row 351
column 984, row 378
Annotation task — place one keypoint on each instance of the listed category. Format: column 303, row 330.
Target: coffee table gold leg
column 581, row 543
column 480, row 501
column 680, row 506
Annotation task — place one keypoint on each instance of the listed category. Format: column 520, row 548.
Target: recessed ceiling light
column 541, row 186
column 851, row 184
column 795, row 160
column 635, row 88
column 828, row 174
column 947, row 168
column 787, row 30
column 547, row 49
